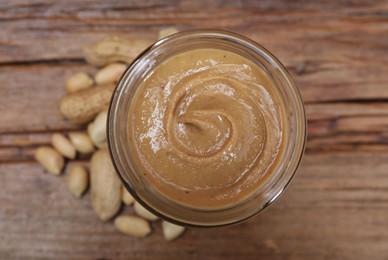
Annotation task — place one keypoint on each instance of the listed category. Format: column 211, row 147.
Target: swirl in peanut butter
column 206, row 128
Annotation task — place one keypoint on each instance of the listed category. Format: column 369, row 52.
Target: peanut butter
column 206, row 128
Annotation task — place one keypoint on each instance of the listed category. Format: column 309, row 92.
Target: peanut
column 97, row 129
column 115, row 49
column 105, row 186
column 81, row 142
column 50, row 159
column 132, row 225
column 110, row 73
column 167, row 31
column 143, row 212
column 171, row 231
column 78, row 81
column 63, row 145
column 82, row 106
column 78, row 180
column 126, row 197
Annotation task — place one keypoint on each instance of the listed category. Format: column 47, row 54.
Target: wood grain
column 337, row 53
column 327, row 51
column 334, row 209
column 34, row 114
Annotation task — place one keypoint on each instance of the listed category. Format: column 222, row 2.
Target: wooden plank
column 328, row 111
column 363, row 124
column 29, row 97
column 29, row 115
column 357, row 124
column 335, row 208
column 337, row 52
column 325, row 51
column 34, row 117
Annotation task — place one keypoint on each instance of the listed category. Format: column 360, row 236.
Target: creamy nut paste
column 206, row 128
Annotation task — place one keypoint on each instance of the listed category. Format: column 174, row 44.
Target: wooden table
column 337, row 52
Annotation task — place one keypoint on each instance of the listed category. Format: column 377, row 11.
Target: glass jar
column 118, row 133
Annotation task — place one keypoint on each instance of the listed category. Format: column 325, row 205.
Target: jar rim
column 142, row 62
